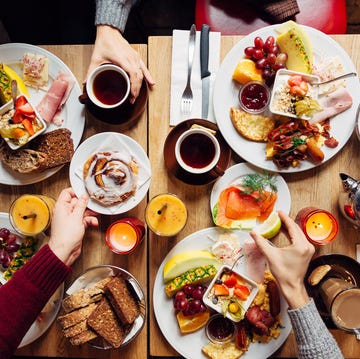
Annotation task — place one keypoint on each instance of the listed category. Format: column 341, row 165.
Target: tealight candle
column 319, row 226
column 166, row 215
column 31, row 214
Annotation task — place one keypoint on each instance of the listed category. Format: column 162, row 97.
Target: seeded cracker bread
column 76, row 316
column 253, row 127
column 224, row 351
column 125, row 306
column 83, row 337
column 104, row 322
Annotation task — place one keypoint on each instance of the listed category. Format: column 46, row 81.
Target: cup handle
column 357, row 333
column 217, row 171
column 84, row 98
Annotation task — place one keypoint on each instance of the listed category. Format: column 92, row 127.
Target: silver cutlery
column 205, row 73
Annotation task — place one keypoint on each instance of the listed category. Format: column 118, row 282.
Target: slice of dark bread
column 48, row 150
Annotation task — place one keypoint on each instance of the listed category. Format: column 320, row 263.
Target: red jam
column 254, row 97
column 220, row 329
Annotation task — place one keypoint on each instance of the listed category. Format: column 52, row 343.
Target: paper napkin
column 179, row 70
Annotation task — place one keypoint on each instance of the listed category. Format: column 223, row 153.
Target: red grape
column 249, row 51
column 197, row 293
column 180, row 295
column 258, row 42
column 258, row 54
column 4, row 233
column 271, row 58
column 260, row 64
column 282, row 57
column 188, row 289
column 12, row 247
column 269, row 43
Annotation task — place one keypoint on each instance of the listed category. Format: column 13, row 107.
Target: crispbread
column 76, row 316
column 85, row 296
column 252, row 127
column 104, row 322
column 125, row 306
column 318, row 274
column 76, row 329
column 83, row 337
column 223, row 351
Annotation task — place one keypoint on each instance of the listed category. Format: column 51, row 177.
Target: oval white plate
column 93, row 144
column 233, row 176
column 73, row 111
column 189, row 345
column 226, row 91
column 38, row 328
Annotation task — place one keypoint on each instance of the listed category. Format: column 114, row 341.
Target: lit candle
column 320, row 226
column 166, row 215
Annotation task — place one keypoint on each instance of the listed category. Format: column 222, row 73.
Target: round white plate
column 99, row 142
column 38, row 328
column 233, row 176
column 73, row 111
column 225, row 96
column 189, row 345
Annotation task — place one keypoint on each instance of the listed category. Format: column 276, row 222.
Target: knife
column 205, row 73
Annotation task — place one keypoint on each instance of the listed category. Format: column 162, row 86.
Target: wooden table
column 319, row 187
column 95, row 252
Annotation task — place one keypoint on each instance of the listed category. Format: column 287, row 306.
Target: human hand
column 110, row 46
column 70, row 219
column 289, row 264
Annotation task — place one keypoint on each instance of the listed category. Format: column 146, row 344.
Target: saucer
column 343, row 267
column 179, row 172
column 125, row 114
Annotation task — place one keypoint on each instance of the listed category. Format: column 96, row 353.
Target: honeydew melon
column 294, row 41
column 184, row 261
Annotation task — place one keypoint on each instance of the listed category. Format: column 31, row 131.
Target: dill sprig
column 258, row 182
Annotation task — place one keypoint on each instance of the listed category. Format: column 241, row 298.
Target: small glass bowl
column 219, row 329
column 254, row 97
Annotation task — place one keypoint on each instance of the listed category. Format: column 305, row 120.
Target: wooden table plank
column 319, row 187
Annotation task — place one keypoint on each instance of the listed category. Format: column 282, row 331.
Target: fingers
column 80, row 206
column 262, row 243
column 295, row 232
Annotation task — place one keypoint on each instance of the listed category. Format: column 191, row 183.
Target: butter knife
column 205, row 73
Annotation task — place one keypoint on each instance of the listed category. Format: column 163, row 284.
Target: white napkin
column 116, row 143
column 179, row 69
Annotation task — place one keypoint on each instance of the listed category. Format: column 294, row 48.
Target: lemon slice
column 270, row 227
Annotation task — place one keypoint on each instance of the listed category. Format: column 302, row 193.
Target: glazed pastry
column 110, row 177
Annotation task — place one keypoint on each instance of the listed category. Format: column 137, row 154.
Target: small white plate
column 104, row 141
column 38, row 328
column 233, row 176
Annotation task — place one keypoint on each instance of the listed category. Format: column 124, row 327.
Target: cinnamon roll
column 110, row 177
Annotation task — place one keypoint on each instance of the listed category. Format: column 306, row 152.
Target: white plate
column 189, row 345
column 93, row 144
column 225, row 96
column 233, row 176
column 38, row 328
column 73, row 111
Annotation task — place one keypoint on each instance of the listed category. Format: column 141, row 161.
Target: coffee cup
column 108, row 86
column 342, row 299
column 197, row 151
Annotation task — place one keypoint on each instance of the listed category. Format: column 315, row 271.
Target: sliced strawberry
column 231, row 281
column 241, row 291
column 18, row 117
column 21, row 100
column 26, row 109
column 220, row 289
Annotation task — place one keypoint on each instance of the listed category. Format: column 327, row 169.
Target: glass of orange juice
column 124, row 235
column 319, row 226
column 166, row 214
column 31, row 214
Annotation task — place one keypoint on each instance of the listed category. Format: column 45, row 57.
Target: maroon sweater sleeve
column 23, row 297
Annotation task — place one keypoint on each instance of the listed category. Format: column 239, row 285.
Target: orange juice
column 31, row 214
column 123, row 236
column 166, row 215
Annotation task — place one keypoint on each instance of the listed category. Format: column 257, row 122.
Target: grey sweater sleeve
column 113, row 12
column 312, row 336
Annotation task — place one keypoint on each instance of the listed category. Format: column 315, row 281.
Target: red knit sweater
column 23, row 297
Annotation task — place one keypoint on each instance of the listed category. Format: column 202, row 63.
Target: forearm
column 23, row 297
column 113, row 12
column 312, row 336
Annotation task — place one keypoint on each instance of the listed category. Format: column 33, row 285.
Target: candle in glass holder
column 319, row 226
column 166, row 214
column 31, row 214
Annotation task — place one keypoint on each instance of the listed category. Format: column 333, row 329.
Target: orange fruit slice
column 192, row 323
column 246, row 71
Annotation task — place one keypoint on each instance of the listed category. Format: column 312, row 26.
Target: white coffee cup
column 198, row 151
column 108, row 86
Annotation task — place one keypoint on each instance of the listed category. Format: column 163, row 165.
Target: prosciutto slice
column 333, row 104
column 256, row 262
column 51, row 104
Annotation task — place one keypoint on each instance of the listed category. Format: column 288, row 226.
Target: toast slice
column 125, row 306
column 104, row 322
column 84, row 297
column 76, row 316
column 83, row 337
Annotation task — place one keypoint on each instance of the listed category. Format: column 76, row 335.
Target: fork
column 187, row 96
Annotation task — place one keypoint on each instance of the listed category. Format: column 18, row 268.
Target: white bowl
column 277, row 93
column 207, row 298
column 6, row 108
